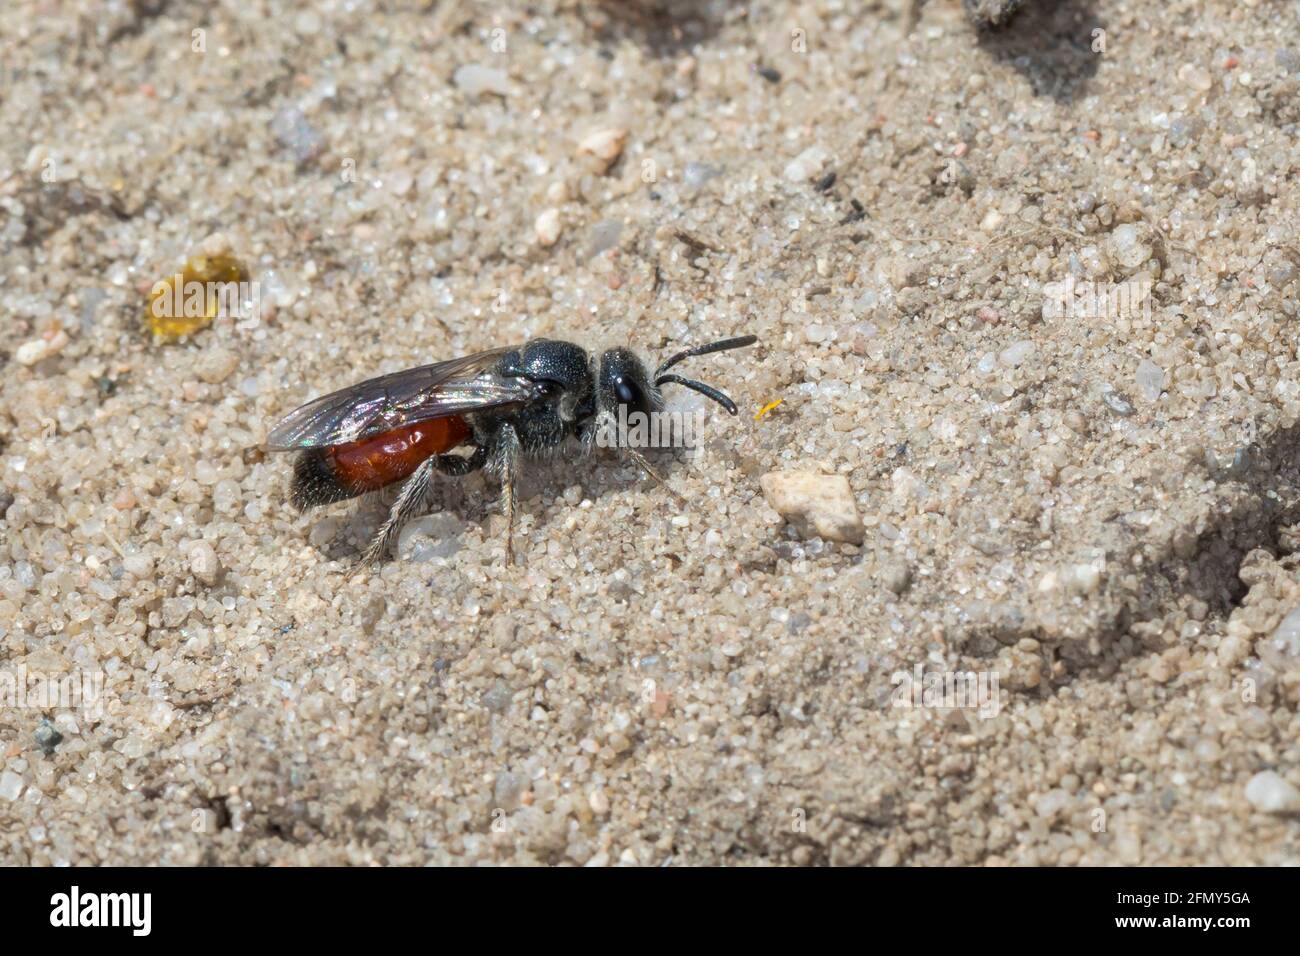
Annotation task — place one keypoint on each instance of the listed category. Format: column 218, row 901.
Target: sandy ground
column 1094, row 511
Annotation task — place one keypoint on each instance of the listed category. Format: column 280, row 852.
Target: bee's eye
column 550, row 388
column 626, row 392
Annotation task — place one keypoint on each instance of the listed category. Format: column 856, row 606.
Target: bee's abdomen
column 338, row 472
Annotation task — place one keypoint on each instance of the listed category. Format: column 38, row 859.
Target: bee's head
column 623, row 381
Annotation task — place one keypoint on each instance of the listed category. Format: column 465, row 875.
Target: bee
column 503, row 406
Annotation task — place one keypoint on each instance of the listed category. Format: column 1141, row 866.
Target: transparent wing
column 401, row 398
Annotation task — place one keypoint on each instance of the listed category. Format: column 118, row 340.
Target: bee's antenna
column 720, row 346
column 706, row 390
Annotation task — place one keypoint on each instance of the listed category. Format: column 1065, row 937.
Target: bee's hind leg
column 412, row 497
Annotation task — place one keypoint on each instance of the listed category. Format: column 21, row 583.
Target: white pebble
column 226, row 496
column 475, row 78
column 1126, row 248
column 37, row 350
column 1269, row 793
column 307, row 23
column 606, row 145
column 1052, row 803
column 139, row 566
column 1017, row 353
column 1281, row 649
column 806, row 165
column 203, row 562
column 431, row 536
column 1084, row 578
column 1150, row 380
column 547, row 227
column 820, row 505
column 896, row 576
column 323, row 532
column 11, row 785
column 216, row 365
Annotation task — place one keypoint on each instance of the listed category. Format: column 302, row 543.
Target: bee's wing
column 401, row 398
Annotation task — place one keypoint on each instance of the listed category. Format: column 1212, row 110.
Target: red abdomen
column 323, row 475
column 391, row 456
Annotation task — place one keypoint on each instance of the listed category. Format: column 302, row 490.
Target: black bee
column 504, row 404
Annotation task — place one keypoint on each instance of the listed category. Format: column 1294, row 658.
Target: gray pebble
column 47, row 737
column 1117, row 403
column 896, row 576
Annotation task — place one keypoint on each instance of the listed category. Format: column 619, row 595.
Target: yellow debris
column 206, row 285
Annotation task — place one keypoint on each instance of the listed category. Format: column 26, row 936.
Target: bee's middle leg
column 505, row 462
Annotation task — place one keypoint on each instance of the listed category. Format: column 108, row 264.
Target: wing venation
column 400, row 398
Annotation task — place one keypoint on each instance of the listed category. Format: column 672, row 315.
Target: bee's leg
column 601, row 430
column 409, row 500
column 413, row 494
column 458, row 466
column 597, row 431
column 505, row 463
column 644, row 464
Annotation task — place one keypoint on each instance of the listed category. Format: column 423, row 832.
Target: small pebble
column 818, row 505
column 896, row 576
column 1051, row 803
column 1126, row 248
column 695, row 175
column 292, row 130
column 1268, row 792
column 606, row 145
column 37, row 350
column 806, row 165
column 11, row 786
column 547, row 228
column 216, row 365
column 603, row 236
column 497, row 698
column 1281, row 649
column 1017, row 353
column 47, row 737
column 1117, row 403
column 203, row 562
column 1084, row 579
column 508, row 790
column 431, row 536
column 475, row 79
column 1150, row 380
